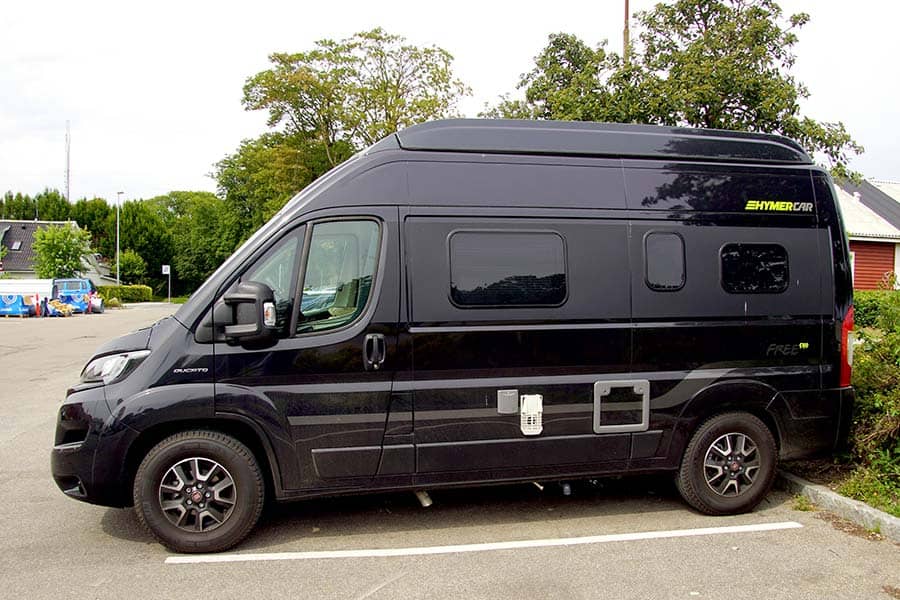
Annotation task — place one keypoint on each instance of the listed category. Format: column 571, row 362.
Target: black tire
column 730, row 482
column 232, row 472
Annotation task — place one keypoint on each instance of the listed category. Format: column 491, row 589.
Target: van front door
column 325, row 385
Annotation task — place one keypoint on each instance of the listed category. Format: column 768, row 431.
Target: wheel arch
column 236, row 426
column 737, row 395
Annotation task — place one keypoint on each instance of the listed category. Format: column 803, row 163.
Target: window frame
column 304, row 258
column 787, row 279
column 647, row 282
column 250, row 265
column 565, row 257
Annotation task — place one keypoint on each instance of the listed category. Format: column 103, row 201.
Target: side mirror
column 248, row 313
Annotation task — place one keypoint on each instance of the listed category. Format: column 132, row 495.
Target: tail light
column 846, row 348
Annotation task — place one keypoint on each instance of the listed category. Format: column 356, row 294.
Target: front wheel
column 199, row 491
column 729, row 465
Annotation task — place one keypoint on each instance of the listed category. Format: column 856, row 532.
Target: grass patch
column 802, row 503
column 874, row 487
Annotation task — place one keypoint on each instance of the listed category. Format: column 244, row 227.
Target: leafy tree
column 202, row 234
column 132, row 267
column 19, row 207
column 92, row 215
column 58, row 251
column 203, row 239
column 264, row 173
column 143, row 230
column 52, row 206
column 705, row 63
column 355, row 90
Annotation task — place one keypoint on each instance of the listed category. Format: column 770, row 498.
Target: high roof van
column 470, row 302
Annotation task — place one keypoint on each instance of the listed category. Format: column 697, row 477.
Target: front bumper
column 88, row 456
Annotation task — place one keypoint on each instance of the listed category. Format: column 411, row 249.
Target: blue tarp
column 78, row 301
column 13, row 305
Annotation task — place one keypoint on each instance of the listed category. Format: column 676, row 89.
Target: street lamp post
column 118, row 204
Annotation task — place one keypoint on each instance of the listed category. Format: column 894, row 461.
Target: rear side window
column 754, row 268
column 664, row 257
column 507, row 268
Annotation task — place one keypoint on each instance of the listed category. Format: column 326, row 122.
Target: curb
column 848, row 508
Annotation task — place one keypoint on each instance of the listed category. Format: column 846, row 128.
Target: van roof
column 508, row 136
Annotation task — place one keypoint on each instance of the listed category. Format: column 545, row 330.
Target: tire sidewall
column 711, row 431
column 166, row 455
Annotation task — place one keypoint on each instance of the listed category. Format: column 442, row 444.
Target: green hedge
column 127, row 293
column 869, row 304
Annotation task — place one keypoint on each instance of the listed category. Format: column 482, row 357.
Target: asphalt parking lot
column 628, row 538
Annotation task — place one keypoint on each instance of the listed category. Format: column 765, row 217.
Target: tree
column 143, row 230
column 356, row 90
column 52, row 206
column 92, row 216
column 19, row 207
column 58, row 251
column 132, row 267
column 202, row 241
column 202, row 235
column 704, row 63
column 264, row 173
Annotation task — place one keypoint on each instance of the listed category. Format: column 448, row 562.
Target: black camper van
column 470, row 302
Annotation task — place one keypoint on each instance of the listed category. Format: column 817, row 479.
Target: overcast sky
column 153, row 90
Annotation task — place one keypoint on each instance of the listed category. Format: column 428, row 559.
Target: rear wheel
column 199, row 491
column 729, row 465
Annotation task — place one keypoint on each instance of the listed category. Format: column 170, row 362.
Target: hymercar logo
column 779, row 206
column 190, row 370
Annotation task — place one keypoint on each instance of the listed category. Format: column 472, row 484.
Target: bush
column 126, row 293
column 868, row 305
column 876, row 424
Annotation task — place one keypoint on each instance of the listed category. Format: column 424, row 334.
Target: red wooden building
column 872, row 220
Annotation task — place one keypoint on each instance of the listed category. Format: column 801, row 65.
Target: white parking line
column 485, row 547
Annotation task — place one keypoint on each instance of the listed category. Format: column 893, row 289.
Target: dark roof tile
column 875, row 200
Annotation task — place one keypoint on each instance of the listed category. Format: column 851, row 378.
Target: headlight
column 112, row 367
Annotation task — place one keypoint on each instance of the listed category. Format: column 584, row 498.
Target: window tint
column 505, row 268
column 339, row 272
column 754, row 268
column 664, row 256
column 277, row 269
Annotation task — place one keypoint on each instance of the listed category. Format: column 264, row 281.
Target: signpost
column 167, row 270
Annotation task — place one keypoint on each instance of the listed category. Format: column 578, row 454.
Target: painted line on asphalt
column 484, row 547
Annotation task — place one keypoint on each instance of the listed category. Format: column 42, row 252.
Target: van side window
column 278, row 270
column 339, row 271
column 754, row 268
column 664, row 261
column 507, row 268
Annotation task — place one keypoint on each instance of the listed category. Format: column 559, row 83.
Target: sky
column 152, row 91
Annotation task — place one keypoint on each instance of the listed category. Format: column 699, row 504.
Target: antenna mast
column 68, row 163
column 626, row 38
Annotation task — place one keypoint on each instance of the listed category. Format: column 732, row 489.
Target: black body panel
column 607, row 268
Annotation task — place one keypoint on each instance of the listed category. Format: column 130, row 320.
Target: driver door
column 325, row 383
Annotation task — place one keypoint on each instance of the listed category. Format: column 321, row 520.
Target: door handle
column 374, row 351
